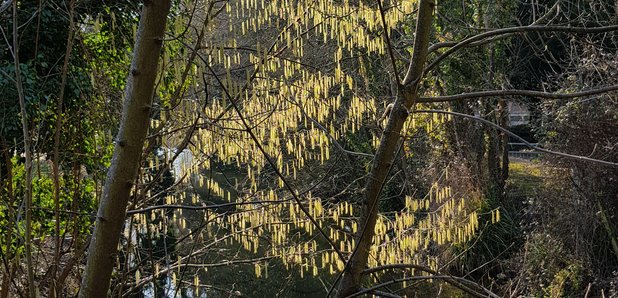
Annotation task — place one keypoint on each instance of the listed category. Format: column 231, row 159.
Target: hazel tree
column 238, row 87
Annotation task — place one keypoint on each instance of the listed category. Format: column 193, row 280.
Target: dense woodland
column 309, row 148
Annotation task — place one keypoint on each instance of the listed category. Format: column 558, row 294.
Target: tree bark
column 351, row 280
column 129, row 143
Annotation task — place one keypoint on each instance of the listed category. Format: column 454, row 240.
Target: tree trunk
column 129, row 143
column 55, row 289
column 6, row 195
column 383, row 159
column 27, row 152
column 503, row 115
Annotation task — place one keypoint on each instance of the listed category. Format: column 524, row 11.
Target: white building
column 519, row 113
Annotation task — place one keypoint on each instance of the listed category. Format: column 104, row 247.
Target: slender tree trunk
column 497, row 153
column 503, row 115
column 129, row 143
column 351, row 280
column 6, row 189
column 28, row 153
column 54, row 289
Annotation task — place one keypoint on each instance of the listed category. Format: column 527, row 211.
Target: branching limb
column 447, row 44
column 522, row 29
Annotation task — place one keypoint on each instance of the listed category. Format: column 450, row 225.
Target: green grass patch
column 525, row 178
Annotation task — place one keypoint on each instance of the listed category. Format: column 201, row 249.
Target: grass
column 525, row 178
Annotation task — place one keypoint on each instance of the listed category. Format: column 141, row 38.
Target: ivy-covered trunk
column 127, row 151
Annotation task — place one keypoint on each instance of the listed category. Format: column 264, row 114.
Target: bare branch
column 526, row 143
column 529, row 93
column 389, row 45
column 208, row 207
column 503, row 31
column 448, row 44
column 446, row 278
column 458, row 282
